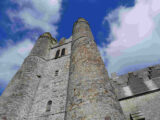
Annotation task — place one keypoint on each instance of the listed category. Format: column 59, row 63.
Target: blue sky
column 127, row 32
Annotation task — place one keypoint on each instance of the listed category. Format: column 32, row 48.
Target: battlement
column 137, row 83
column 48, row 35
column 54, row 41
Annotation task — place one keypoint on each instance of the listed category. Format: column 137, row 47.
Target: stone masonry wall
column 90, row 94
column 16, row 100
column 147, row 104
column 139, row 91
column 74, row 86
column 52, row 88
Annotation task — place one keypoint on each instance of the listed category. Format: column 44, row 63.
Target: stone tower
column 62, row 81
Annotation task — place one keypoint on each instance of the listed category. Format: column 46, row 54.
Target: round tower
column 90, row 94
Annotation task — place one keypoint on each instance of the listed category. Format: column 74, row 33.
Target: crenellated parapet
column 49, row 36
column 138, row 93
column 138, row 82
column 62, row 41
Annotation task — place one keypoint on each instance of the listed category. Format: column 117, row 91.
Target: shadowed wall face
column 16, row 100
column 90, row 94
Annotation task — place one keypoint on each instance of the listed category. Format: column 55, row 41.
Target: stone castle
column 68, row 81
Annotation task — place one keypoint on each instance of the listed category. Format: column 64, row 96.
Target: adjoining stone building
column 138, row 93
column 68, row 81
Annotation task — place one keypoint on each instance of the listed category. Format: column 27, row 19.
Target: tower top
column 47, row 34
column 81, row 20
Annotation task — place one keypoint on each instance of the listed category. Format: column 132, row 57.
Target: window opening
column 63, row 52
column 56, row 72
column 39, row 76
column 57, row 54
column 49, row 104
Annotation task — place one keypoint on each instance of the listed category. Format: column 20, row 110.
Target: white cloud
column 135, row 36
column 43, row 14
column 12, row 58
column 35, row 15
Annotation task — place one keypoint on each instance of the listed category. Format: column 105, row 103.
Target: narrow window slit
column 57, row 54
column 49, row 104
column 63, row 52
column 56, row 72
